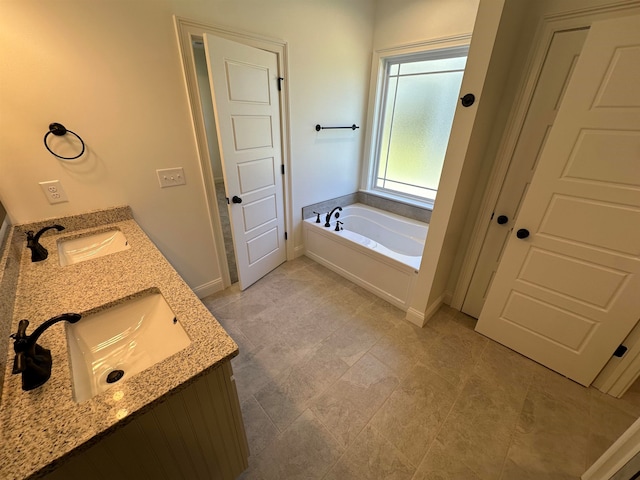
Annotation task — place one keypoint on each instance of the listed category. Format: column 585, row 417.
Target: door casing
column 186, row 31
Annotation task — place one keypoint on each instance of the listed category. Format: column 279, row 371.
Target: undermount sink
column 88, row 247
column 120, row 341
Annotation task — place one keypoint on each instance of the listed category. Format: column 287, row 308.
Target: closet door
column 567, row 291
column 558, row 66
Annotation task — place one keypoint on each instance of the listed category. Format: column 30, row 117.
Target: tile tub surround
column 399, row 208
column 41, row 427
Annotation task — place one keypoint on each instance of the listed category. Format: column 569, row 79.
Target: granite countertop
column 42, row 427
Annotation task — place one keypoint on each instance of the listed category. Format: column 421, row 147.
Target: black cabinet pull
column 502, row 219
column 236, row 199
column 522, row 233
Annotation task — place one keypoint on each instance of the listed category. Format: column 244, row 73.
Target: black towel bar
column 320, row 127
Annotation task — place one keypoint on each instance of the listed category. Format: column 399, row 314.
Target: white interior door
column 556, row 71
column 568, row 294
column 246, row 105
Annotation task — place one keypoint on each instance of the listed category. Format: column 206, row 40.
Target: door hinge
column 280, row 79
column 285, row 236
column 620, row 351
column 282, row 168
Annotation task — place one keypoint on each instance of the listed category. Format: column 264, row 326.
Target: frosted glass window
column 417, row 113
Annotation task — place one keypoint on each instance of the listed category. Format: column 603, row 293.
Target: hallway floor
column 335, row 384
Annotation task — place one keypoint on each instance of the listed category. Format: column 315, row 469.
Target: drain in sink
column 114, row 376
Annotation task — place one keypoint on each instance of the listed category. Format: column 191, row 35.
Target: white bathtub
column 377, row 250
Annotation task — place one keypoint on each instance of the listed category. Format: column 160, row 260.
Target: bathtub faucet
column 329, row 215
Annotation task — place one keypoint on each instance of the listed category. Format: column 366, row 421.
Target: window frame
column 439, row 48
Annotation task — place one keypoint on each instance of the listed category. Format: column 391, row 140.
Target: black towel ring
column 58, row 130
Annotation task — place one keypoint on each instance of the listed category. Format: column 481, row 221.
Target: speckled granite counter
column 44, row 426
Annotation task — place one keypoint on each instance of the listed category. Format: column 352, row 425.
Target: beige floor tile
column 251, row 473
column 509, row 373
column 456, row 350
column 281, row 286
column 312, row 328
column 285, row 398
column 629, row 403
column 262, row 432
column 552, row 383
column 351, row 341
column 479, row 429
column 413, row 414
column 232, row 327
column 543, row 412
column 223, row 297
column 443, row 464
column 305, row 451
column 403, row 346
column 513, row 471
column 554, row 455
column 371, row 457
column 347, row 406
column 257, row 367
column 552, row 431
column 244, row 306
column 318, row 351
column 606, row 424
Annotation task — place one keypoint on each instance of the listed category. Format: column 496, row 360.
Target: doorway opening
column 236, row 251
column 213, row 148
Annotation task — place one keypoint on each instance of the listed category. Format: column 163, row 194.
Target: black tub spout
column 330, row 214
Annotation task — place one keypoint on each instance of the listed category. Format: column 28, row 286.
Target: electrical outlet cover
column 53, row 191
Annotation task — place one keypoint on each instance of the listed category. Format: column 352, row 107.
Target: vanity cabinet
column 195, row 433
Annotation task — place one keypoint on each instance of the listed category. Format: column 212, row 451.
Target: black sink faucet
column 329, row 215
column 38, row 252
column 32, row 360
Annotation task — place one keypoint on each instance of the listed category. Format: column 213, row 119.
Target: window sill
column 426, row 204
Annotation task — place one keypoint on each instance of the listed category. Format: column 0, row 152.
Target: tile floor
column 334, row 383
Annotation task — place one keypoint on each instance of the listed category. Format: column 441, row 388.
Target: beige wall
column 400, row 22
column 110, row 71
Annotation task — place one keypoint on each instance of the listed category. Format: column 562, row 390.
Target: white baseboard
column 434, row 307
column 298, row 251
column 208, row 288
column 420, row 319
column 415, row 316
column 624, row 449
column 447, row 298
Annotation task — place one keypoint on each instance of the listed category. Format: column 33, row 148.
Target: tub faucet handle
column 318, row 217
column 338, row 227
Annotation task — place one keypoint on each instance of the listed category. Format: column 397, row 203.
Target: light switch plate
column 171, row 177
column 53, row 191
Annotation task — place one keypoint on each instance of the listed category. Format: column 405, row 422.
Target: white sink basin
column 88, row 247
column 121, row 341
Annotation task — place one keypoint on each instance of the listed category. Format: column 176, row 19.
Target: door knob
column 236, row 199
column 522, row 233
column 502, row 219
